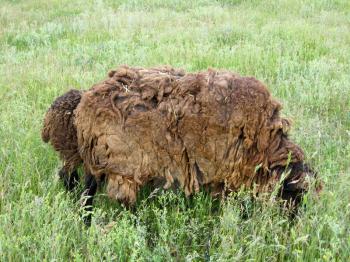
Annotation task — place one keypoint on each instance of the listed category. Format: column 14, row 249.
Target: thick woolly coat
column 59, row 129
column 214, row 129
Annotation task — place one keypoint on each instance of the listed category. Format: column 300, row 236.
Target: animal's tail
column 45, row 131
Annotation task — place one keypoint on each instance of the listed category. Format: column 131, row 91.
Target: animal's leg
column 70, row 180
column 88, row 197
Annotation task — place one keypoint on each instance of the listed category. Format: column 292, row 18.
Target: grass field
column 300, row 49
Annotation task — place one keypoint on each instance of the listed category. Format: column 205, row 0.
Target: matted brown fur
column 214, row 129
column 60, row 131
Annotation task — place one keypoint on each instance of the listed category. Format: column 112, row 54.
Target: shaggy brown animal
column 214, row 129
column 60, row 131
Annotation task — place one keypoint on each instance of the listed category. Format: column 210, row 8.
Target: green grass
column 300, row 49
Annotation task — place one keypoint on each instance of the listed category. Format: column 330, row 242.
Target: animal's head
column 299, row 180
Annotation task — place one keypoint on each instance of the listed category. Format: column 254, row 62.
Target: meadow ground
column 300, row 49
